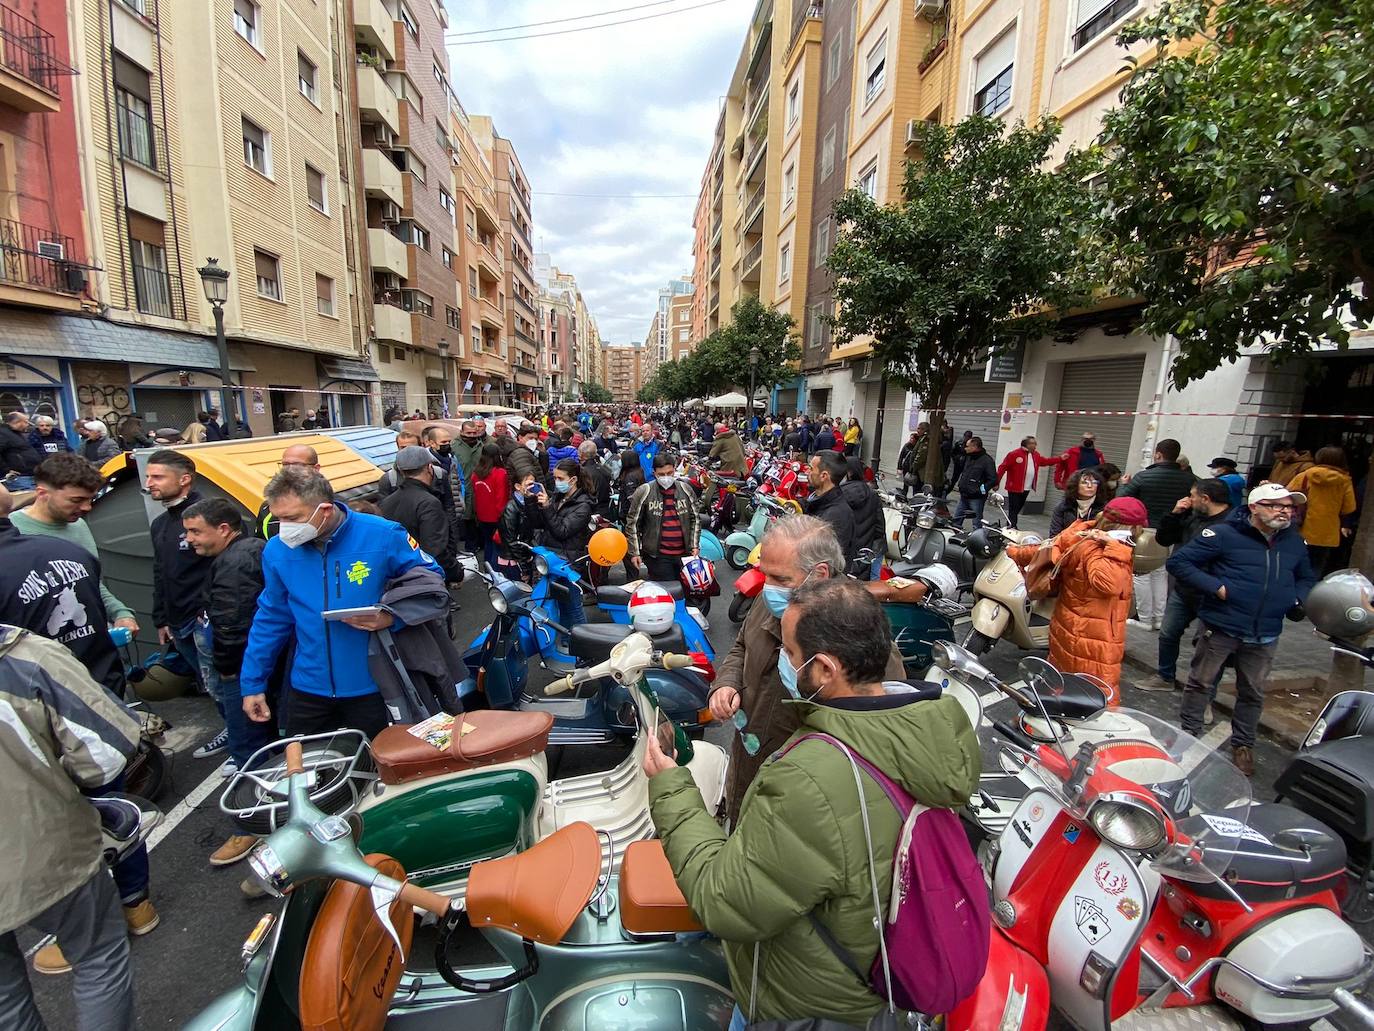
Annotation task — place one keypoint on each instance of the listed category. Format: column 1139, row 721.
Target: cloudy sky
column 613, row 126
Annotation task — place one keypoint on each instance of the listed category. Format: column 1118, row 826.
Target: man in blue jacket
column 1249, row 572
column 646, row 447
column 324, row 557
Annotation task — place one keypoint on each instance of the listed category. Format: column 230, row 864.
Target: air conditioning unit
column 931, row 9
column 383, row 136
column 51, row 249
column 911, row 131
column 391, row 212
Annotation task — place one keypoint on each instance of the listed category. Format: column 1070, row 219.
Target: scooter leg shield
column 1014, row 994
column 990, row 618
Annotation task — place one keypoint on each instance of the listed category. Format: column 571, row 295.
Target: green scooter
column 578, row 946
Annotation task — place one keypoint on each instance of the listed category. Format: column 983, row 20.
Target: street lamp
column 754, row 355
column 443, row 371
column 215, row 280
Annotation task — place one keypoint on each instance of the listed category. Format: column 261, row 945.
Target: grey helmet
column 1342, row 605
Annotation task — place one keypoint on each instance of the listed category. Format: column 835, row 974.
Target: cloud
column 613, row 127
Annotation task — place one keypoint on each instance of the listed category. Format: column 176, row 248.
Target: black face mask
column 1090, row 444
column 472, row 440
column 444, row 449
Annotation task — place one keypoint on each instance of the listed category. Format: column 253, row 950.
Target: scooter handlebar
column 671, row 660
column 422, row 898
column 295, row 758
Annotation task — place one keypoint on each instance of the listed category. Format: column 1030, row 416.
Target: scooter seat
column 496, row 736
column 1264, row 871
column 593, row 642
column 1079, row 700
column 650, row 900
column 538, row 893
column 617, row 594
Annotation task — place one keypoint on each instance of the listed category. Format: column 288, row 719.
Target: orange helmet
column 607, row 546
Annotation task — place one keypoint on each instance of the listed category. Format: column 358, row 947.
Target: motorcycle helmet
column 979, row 543
column 607, row 546
column 940, row 579
column 651, row 609
column 1342, row 605
column 699, row 577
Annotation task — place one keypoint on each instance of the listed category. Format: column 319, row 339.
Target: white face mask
column 293, row 535
column 666, row 481
column 533, row 445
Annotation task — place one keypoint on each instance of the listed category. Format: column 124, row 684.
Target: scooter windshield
column 1348, row 714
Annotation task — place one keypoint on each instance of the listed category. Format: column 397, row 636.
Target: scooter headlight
column 926, row 520
column 541, row 565
column 1128, row 822
column 498, row 600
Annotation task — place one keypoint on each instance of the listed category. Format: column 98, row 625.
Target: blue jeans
column 20, row 483
column 184, row 644
column 573, row 613
column 1179, row 613
column 737, row 1021
column 245, row 736
column 970, row 507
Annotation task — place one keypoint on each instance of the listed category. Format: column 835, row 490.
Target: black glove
column 1297, row 613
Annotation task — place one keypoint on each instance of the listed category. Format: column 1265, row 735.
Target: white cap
column 1275, row 492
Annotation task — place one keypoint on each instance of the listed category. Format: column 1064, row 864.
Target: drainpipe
column 1147, row 450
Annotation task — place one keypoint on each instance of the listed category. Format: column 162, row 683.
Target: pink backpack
column 934, row 943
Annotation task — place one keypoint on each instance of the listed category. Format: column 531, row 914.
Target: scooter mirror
column 952, row 658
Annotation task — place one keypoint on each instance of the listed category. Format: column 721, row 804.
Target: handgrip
column 295, row 758
column 1016, row 736
column 671, row 660
column 560, row 685
column 422, row 898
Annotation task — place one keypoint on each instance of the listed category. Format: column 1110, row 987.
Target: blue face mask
column 776, row 598
column 520, row 498
column 562, row 486
column 788, row 674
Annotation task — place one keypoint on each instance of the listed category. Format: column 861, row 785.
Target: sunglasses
column 749, row 741
column 1280, row 506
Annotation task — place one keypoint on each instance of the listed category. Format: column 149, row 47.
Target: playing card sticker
column 1090, row 920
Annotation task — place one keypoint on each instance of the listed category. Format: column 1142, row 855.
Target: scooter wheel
column 739, row 607
column 978, row 643
column 738, row 558
column 146, row 774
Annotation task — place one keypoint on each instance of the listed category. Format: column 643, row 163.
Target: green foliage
column 721, row 361
column 985, row 244
column 1241, row 185
column 596, row 394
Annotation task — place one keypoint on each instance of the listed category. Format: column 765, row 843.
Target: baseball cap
column 1127, row 512
column 413, row 457
column 1274, row 492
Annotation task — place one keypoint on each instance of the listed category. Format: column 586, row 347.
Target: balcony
column 158, row 293
column 388, row 253
column 29, row 67
column 484, row 202
column 374, row 27
column 393, row 323
column 749, row 266
column 521, row 302
column 488, row 264
column 753, row 209
column 376, row 101
column 33, row 258
column 491, row 314
column 381, row 177
column 140, row 141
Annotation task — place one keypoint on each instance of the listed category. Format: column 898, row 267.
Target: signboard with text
column 1006, row 366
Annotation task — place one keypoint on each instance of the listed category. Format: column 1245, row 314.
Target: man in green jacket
column 799, row 848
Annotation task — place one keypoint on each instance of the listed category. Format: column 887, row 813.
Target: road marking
column 1217, row 734
column 179, row 812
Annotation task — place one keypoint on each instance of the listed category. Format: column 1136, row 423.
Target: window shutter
column 1089, row 9
column 995, row 59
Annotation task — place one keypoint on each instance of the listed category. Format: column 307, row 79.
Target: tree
column 753, row 324
column 1241, row 186
column 983, row 248
column 596, row 394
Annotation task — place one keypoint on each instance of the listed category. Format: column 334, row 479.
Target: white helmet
column 940, row 579
column 652, row 609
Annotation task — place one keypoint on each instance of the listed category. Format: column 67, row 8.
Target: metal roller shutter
column 1102, row 384
column 972, row 392
column 787, row 401
column 166, row 407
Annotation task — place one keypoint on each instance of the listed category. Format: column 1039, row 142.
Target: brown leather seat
column 538, row 893
column 650, row 900
column 351, row 966
column 499, row 736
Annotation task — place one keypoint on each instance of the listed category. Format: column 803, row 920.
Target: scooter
column 1137, row 878
column 578, row 946
column 498, row 670
column 614, row 600
column 740, row 543
column 748, row 586
column 146, row 774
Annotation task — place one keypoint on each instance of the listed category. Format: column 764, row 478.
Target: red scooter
column 1139, row 880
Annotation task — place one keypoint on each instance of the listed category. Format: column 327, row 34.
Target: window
column 418, row 301
column 822, row 241
column 408, row 20
column 415, row 233
column 785, row 263
column 307, row 78
column 683, row 315
column 315, row 190
column 453, row 317
column 439, row 75
column 992, row 75
column 134, row 113
column 828, row 154
column 152, row 288
column 324, row 295
column 875, row 69
column 269, row 274
column 405, row 89
column 441, row 138
column 246, row 15
column 476, row 341
column 415, row 166
column 383, row 353
column 832, row 63
column 789, row 186
column 472, row 281
column 683, row 334
column 446, row 202
column 868, row 180
column 257, row 148
column 446, row 256
column 470, row 221
column 1094, row 17
column 793, row 104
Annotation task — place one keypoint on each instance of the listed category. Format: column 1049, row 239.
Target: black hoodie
column 179, row 574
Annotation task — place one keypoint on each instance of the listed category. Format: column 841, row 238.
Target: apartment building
column 680, row 334
column 625, row 365
column 667, row 328
column 562, row 313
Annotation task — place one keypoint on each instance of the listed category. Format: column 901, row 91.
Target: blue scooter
column 614, row 600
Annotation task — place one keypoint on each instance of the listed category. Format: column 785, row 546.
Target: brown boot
column 238, row 846
column 1244, row 759
column 49, row 960
column 141, row 918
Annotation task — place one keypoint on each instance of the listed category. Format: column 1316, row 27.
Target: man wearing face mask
column 797, row 863
column 524, row 460
column 795, row 550
column 416, row 508
column 447, row 485
column 663, row 524
column 828, row 471
column 467, row 449
column 1084, row 456
column 1249, row 572
column 324, row 557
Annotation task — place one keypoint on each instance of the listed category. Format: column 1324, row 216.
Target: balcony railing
column 140, row 141
column 157, row 292
column 145, row 8
column 803, row 14
column 29, row 51
column 751, row 258
column 36, row 257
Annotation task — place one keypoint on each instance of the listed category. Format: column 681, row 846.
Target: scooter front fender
column 741, row 539
column 990, row 618
column 1013, row 995
column 232, row 1011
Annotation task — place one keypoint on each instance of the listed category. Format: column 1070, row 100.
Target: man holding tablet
column 324, row 558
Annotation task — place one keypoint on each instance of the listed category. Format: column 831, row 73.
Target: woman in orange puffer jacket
column 1088, row 631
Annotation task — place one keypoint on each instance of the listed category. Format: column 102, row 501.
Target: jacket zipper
column 1264, row 591
column 328, row 643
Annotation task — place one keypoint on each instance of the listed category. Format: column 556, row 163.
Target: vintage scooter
column 739, row 544
column 455, row 790
column 578, row 946
column 1138, row 879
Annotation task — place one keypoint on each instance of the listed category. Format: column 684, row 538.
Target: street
column 194, row 953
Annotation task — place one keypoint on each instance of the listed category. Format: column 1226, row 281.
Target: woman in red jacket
column 490, row 492
column 1014, row 468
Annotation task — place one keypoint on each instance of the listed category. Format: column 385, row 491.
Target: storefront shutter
column 972, row 393
column 1101, row 384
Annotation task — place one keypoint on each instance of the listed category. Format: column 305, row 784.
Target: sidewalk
column 1297, row 686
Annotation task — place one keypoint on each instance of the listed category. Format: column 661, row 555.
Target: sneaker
column 49, row 960
column 1209, row 718
column 228, row 768
column 252, row 889
column 1139, row 624
column 1157, row 625
column 238, row 846
column 1244, row 759
column 141, row 918
column 1157, row 683
column 216, row 744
